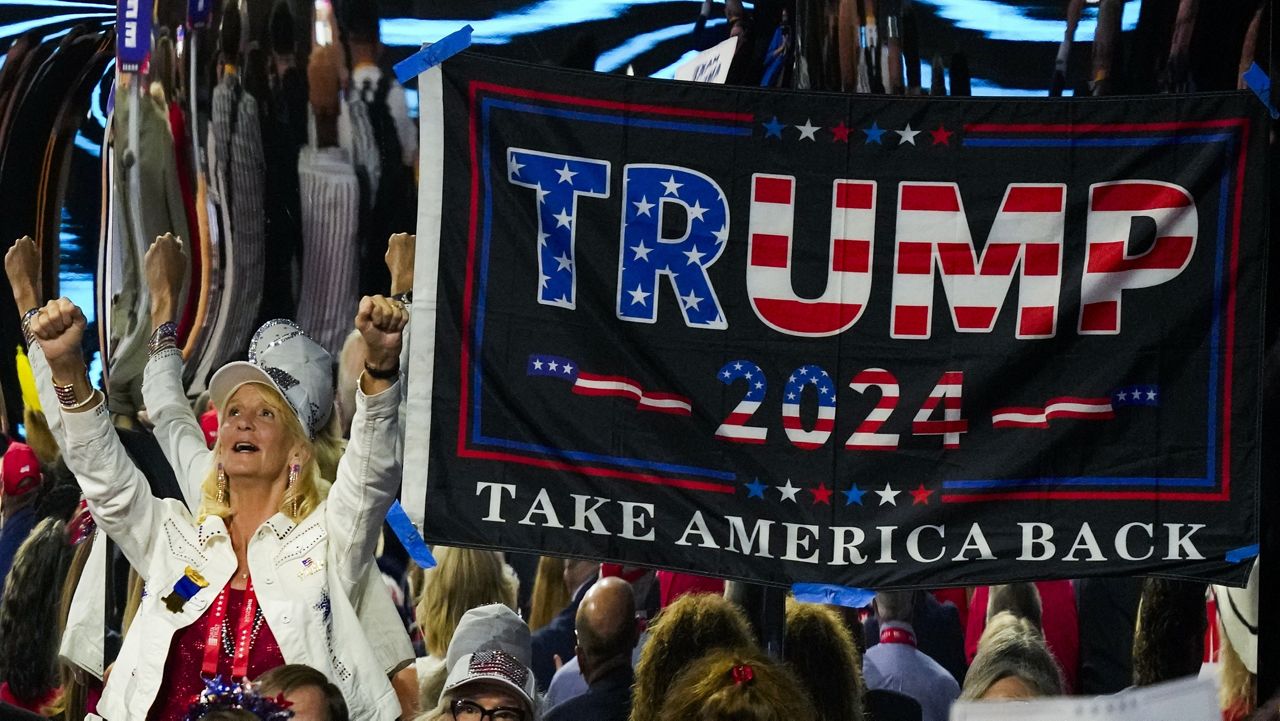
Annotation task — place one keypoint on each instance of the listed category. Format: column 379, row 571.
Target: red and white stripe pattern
column 1109, row 270
column 1027, row 232
column 771, row 255
column 949, row 393
column 825, row 423
column 592, row 384
column 589, row 384
column 735, row 428
column 1088, row 409
column 868, row 437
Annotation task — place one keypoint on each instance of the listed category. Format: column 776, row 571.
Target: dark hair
column 29, row 633
column 820, row 649
column 360, row 21
column 280, row 27
column 229, row 32
column 255, row 76
column 293, row 676
column 736, row 685
column 684, row 632
column 1168, row 641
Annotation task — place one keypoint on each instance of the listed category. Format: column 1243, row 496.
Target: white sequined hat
column 284, row 357
column 492, row 644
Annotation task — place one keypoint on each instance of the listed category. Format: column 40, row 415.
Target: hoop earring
column 222, row 486
column 291, row 489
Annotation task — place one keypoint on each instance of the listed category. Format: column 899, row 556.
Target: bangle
column 91, row 398
column 26, row 325
column 383, row 374
column 164, row 337
column 405, row 297
column 67, row 395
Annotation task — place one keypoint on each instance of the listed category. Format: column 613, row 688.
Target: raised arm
column 22, row 266
column 176, row 428
column 368, row 475
column 118, row 494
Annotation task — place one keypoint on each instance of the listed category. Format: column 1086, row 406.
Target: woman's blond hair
column 736, row 685
column 300, row 500
column 689, row 628
column 550, row 595
column 462, row 579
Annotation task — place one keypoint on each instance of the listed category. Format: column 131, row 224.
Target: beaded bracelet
column 26, row 325
column 67, row 396
column 164, row 337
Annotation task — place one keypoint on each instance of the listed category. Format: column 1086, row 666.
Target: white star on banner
column 888, row 497
column 563, row 262
column 643, row 207
column 807, row 130
column 788, row 491
column 639, row 295
column 515, row 165
column 695, row 256
column 642, row 252
column 907, row 135
column 692, row 301
column 563, row 219
column 566, row 175
column 672, row 187
column 697, row 211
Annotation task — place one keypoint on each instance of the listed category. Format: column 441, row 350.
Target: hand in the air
column 400, row 253
column 381, row 322
column 165, row 268
column 59, row 326
column 22, row 266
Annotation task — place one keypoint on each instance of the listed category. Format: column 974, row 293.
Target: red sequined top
column 183, row 683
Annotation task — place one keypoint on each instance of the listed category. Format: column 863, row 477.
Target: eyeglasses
column 465, row 710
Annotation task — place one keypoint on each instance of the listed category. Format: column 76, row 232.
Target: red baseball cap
column 20, row 470
column 209, row 424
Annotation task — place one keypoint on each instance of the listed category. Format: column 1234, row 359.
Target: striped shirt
column 330, row 195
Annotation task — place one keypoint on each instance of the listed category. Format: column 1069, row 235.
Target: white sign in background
column 709, row 66
column 1190, row 699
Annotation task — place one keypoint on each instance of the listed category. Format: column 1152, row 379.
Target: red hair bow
column 743, row 674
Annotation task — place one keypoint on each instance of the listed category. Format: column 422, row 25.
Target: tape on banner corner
column 1243, row 553
column 833, row 595
column 1260, row 83
column 433, row 54
column 409, row 537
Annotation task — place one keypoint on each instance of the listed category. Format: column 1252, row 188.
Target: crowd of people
column 223, row 554
column 262, row 586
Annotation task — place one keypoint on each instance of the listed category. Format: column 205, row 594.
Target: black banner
column 793, row 337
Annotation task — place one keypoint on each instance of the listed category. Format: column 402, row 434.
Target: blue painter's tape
column 434, row 54
column 1242, row 554
column 833, row 595
column 409, row 536
column 1258, row 81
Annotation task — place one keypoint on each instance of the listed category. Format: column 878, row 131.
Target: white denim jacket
column 183, row 445
column 304, row 574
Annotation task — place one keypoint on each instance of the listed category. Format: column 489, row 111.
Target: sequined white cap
column 494, row 645
column 284, row 357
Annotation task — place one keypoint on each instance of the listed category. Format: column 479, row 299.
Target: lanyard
column 897, row 635
column 243, row 638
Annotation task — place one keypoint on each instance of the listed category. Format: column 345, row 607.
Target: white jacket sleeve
column 48, row 397
column 176, row 428
column 117, row 492
column 368, row 476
